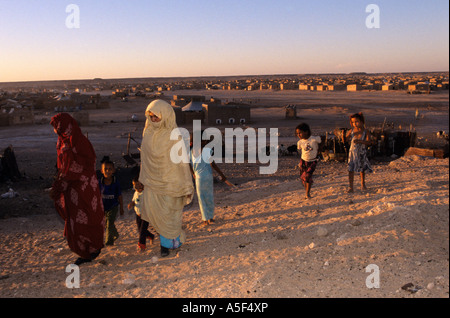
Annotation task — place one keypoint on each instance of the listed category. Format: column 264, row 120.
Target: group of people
column 89, row 205
column 358, row 160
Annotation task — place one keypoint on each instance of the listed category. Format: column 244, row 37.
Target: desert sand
column 268, row 241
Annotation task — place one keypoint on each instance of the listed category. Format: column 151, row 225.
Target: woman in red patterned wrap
column 76, row 191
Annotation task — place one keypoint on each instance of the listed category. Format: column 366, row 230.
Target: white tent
column 193, row 107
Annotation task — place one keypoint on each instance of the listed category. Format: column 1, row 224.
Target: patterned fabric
column 307, row 169
column 78, row 200
column 357, row 157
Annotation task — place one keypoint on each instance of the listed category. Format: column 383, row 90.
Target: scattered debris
column 322, row 231
column 410, row 287
column 10, row 194
column 435, row 153
column 129, row 279
column 386, row 143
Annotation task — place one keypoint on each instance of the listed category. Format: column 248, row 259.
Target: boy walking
column 112, row 200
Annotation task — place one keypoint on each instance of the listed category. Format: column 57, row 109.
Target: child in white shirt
column 309, row 146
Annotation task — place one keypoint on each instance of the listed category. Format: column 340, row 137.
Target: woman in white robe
column 168, row 185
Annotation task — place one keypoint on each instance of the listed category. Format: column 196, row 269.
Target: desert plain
column 267, row 241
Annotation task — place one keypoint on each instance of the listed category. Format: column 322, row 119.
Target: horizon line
column 217, row 76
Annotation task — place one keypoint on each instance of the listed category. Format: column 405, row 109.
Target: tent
column 193, row 107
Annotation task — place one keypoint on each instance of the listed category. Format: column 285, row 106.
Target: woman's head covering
column 158, row 171
column 163, row 111
column 71, row 142
column 65, row 125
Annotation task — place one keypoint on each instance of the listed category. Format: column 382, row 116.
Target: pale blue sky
column 133, row 38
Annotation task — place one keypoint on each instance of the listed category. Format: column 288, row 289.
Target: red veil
column 76, row 190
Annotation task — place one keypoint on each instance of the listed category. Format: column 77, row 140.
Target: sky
column 49, row 40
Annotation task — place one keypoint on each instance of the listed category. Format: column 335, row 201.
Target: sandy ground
column 268, row 241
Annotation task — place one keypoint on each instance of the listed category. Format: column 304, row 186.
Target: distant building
column 263, row 86
column 183, row 100
column 304, row 87
column 12, row 113
column 287, row 86
column 229, row 114
column 354, row 87
column 253, row 87
column 336, row 87
column 419, row 87
column 193, row 111
column 213, row 112
column 443, row 85
column 188, row 108
column 321, row 88
column 274, row 86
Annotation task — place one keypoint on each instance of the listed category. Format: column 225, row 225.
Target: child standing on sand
column 309, row 146
column 357, row 157
column 142, row 225
column 201, row 168
column 112, row 199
